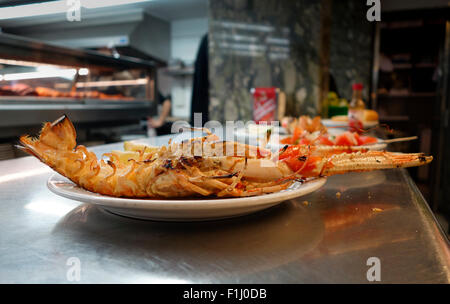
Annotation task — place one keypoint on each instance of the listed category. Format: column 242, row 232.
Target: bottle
column 356, row 109
column 331, row 102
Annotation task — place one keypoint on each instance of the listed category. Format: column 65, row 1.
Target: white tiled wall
column 181, row 96
column 185, row 39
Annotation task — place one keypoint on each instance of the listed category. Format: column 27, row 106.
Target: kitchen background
column 302, row 47
column 250, row 45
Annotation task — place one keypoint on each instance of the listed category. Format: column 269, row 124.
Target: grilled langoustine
column 202, row 166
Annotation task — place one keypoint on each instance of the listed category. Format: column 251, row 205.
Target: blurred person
column 159, row 124
column 155, row 125
column 200, row 87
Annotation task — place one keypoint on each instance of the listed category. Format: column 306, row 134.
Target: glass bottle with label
column 356, row 109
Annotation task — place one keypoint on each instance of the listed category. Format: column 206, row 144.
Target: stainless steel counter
column 323, row 237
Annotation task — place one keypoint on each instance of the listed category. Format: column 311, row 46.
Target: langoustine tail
column 55, row 147
column 58, row 135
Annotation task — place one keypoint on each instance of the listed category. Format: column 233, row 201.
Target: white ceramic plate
column 344, row 124
column 251, row 135
column 181, row 209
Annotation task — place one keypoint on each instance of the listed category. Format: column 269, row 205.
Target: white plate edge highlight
column 191, row 204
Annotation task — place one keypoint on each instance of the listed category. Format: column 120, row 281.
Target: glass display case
column 21, row 79
column 39, row 81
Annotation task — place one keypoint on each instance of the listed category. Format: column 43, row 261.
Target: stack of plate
column 6, row 151
column 329, row 123
column 128, row 137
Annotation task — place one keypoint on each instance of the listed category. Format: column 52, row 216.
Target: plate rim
column 170, row 204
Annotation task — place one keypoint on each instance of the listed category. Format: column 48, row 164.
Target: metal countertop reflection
column 324, row 237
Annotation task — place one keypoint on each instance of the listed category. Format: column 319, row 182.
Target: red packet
column 264, row 104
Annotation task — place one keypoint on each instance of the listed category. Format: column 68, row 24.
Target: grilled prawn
column 198, row 167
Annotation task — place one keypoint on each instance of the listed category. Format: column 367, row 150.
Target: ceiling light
column 69, row 74
column 92, row 84
column 30, row 10
column 27, row 63
column 56, row 7
column 106, row 3
column 83, row 72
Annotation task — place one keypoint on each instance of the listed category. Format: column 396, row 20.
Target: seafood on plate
column 204, row 166
column 310, row 131
column 303, row 124
column 347, row 139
